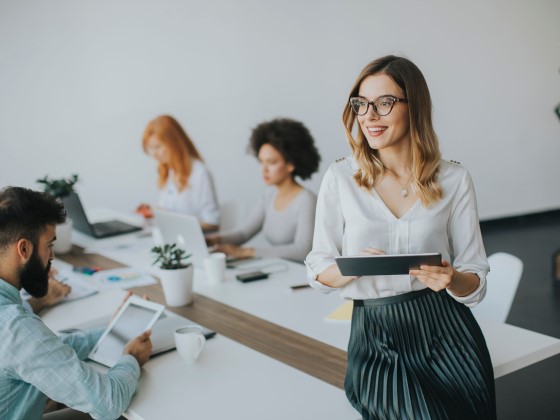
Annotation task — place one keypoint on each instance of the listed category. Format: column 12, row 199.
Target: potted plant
column 59, row 188
column 176, row 274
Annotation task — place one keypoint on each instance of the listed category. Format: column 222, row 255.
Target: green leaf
column 170, row 257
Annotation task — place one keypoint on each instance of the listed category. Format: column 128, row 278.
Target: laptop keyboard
column 112, row 226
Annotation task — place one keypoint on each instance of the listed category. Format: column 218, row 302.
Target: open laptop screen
column 185, row 231
column 76, row 212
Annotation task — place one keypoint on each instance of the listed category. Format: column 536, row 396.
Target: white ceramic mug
column 189, row 341
column 215, row 267
column 63, row 243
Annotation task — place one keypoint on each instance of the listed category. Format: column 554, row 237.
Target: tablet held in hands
column 385, row 265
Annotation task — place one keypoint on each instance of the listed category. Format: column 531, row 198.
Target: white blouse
column 198, row 199
column 349, row 219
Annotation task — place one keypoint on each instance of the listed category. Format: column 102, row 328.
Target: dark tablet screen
column 384, row 265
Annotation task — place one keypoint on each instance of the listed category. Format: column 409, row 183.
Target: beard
column 34, row 277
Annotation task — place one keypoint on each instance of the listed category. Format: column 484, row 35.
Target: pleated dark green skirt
column 420, row 355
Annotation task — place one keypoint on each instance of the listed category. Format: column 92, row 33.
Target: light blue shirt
column 36, row 364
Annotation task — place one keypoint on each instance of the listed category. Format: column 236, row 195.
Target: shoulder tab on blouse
column 340, row 159
column 455, row 162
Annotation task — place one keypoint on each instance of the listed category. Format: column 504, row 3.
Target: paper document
column 122, row 278
column 81, row 286
column 342, row 313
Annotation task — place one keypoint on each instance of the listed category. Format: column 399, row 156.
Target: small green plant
column 58, row 187
column 170, row 257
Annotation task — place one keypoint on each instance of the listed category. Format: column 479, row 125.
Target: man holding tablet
column 36, row 364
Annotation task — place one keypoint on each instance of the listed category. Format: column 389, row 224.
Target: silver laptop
column 183, row 230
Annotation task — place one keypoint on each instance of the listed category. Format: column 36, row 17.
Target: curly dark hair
column 292, row 140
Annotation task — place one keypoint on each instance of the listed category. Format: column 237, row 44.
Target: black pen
column 300, row 286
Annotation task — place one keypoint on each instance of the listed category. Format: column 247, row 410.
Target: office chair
column 502, row 281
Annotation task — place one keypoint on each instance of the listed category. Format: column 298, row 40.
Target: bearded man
column 35, row 363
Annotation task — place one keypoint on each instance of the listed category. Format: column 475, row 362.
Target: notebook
column 75, row 210
column 342, row 313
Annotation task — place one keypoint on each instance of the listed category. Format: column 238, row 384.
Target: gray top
column 289, row 232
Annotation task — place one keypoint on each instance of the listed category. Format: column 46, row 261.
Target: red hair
column 181, row 149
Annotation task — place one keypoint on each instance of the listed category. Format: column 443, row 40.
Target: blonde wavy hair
column 425, row 151
column 181, row 149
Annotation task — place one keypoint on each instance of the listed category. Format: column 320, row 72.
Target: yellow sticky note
column 342, row 313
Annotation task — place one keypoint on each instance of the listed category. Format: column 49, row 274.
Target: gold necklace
column 404, row 190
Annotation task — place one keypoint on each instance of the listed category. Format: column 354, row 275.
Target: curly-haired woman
column 286, row 212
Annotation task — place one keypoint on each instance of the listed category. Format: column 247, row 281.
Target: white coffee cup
column 63, row 243
column 189, row 341
column 215, row 267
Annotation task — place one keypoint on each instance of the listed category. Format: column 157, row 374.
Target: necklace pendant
column 404, row 192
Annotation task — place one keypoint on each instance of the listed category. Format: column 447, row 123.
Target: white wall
column 80, row 79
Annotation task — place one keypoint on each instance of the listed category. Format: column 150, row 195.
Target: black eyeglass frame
column 372, row 103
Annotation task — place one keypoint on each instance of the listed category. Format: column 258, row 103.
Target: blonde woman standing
column 415, row 349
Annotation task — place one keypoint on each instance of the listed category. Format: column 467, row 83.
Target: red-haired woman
column 185, row 181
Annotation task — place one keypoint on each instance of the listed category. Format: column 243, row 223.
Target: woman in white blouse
column 415, row 349
column 286, row 211
column 184, row 180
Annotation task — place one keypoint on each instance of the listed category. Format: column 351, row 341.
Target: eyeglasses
column 382, row 105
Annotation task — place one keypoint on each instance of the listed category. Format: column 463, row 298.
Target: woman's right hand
column 332, row 277
column 372, row 251
column 145, row 210
column 212, row 240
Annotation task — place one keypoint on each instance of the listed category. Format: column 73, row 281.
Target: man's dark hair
column 292, row 140
column 25, row 213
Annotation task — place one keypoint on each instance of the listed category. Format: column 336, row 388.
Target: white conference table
column 304, row 311
column 229, row 380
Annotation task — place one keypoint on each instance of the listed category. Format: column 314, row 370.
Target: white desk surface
column 229, row 380
column 304, row 310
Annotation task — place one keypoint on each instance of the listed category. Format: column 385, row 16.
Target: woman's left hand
column 235, row 251
column 434, row 277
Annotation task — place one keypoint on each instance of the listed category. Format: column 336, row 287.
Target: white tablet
column 385, row 265
column 136, row 316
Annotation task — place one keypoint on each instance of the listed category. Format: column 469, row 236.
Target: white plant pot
column 63, row 243
column 177, row 285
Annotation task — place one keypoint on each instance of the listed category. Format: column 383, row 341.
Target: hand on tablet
column 446, row 277
column 332, row 276
column 128, row 294
column 435, row 277
column 372, row 251
column 140, row 347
